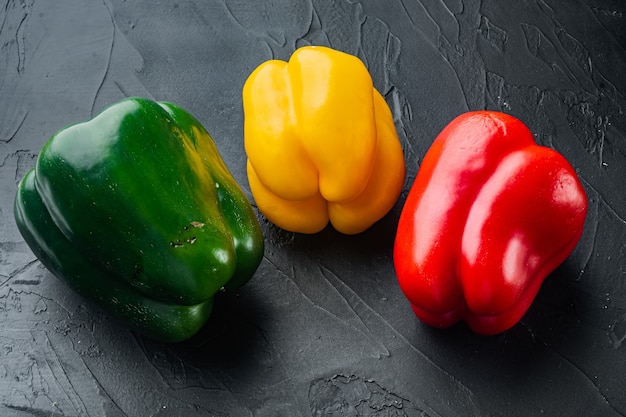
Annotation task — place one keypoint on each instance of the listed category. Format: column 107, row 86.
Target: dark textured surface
column 323, row 329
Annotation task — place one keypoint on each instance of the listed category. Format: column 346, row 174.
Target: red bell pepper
column 489, row 216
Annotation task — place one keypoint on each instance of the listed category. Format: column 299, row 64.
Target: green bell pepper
column 136, row 210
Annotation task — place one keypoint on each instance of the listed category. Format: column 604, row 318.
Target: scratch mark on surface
column 406, row 12
column 19, row 37
column 30, row 410
column 355, row 304
column 464, row 60
column 496, row 36
column 616, row 14
column 540, row 46
column 231, row 14
column 103, row 389
column 442, row 17
column 585, row 376
column 606, row 204
column 19, row 124
column 340, row 286
column 17, row 272
column 109, row 55
column 575, row 50
column 63, row 379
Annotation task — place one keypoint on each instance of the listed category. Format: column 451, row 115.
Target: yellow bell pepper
column 321, row 143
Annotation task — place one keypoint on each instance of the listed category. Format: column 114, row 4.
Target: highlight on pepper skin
column 489, row 216
column 321, row 143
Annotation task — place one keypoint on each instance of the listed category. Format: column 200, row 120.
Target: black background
column 322, row 328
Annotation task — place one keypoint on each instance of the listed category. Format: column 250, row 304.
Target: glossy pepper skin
column 136, row 210
column 488, row 217
column 321, row 143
